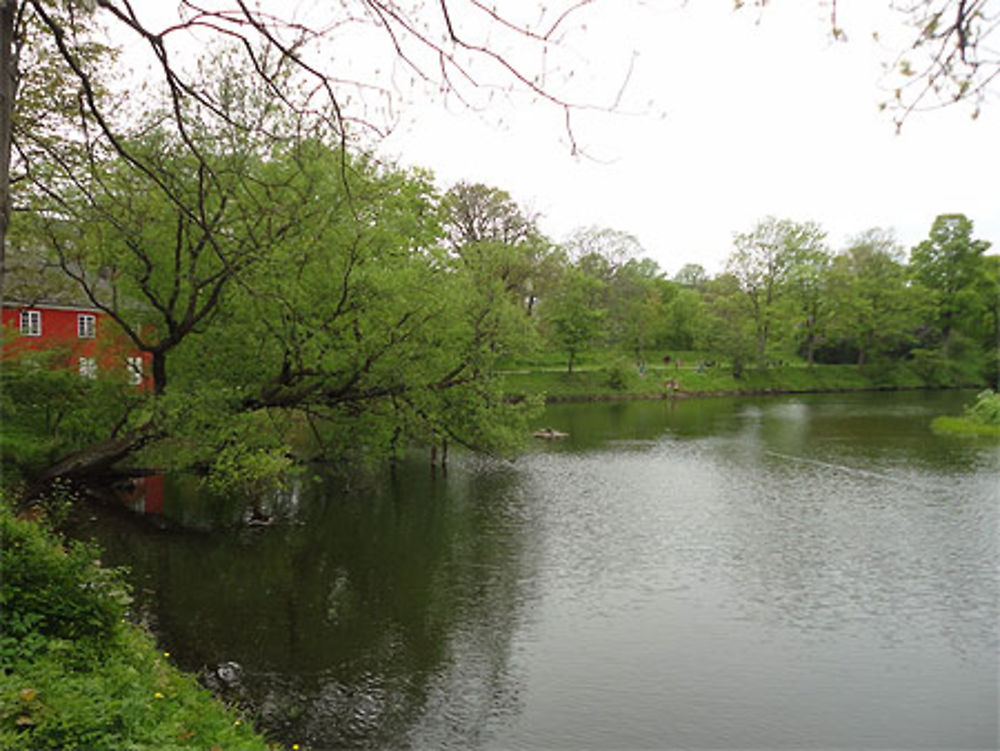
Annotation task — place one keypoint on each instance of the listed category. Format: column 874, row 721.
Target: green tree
column 327, row 269
column 602, row 251
column 685, row 319
column 360, row 327
column 575, row 316
column 806, row 283
column 950, row 264
column 957, row 340
column 876, row 310
column 991, row 288
column 760, row 264
column 692, row 275
column 728, row 327
column 275, row 49
column 635, row 306
column 496, row 239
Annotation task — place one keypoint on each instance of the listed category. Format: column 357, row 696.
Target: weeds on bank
column 982, row 418
column 74, row 674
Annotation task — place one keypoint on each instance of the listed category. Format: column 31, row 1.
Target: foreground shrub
column 50, row 591
column 74, row 674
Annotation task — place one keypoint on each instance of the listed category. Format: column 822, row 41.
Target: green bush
column 986, row 409
column 55, row 591
column 47, row 410
column 75, row 675
column 620, row 375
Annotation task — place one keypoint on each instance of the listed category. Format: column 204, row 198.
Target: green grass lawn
column 623, row 380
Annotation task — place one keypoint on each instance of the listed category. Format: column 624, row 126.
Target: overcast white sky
column 748, row 119
column 727, row 118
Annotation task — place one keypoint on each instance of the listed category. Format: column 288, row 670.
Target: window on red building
column 88, row 367
column 134, row 367
column 31, row 323
column 86, row 326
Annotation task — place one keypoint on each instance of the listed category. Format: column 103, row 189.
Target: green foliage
column 74, row 674
column 48, row 410
column 299, row 301
column 964, row 426
column 695, row 380
column 685, row 320
column 986, row 409
column 779, row 259
column 876, row 309
column 576, row 317
column 621, row 376
column 53, row 593
column 932, row 366
column 950, row 264
column 957, row 362
column 981, row 418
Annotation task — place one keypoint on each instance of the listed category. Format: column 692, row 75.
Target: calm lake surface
column 791, row 572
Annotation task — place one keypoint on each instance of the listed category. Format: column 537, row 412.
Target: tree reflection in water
column 355, row 610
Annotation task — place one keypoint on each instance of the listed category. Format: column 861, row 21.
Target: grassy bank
column 981, row 418
column 964, row 426
column 75, row 674
column 623, row 380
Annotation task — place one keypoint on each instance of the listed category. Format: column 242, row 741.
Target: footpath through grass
column 74, row 674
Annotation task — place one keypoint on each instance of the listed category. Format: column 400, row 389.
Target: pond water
column 791, row 572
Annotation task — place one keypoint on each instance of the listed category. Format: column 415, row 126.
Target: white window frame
column 87, row 367
column 86, row 325
column 133, row 365
column 31, row 323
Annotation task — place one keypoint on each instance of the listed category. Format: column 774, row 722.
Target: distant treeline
column 784, row 293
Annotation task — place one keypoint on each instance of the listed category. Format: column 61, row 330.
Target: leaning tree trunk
column 94, row 462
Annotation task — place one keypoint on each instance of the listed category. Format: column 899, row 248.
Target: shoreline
column 705, row 394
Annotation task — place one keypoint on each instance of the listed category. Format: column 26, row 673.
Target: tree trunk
column 8, row 78
column 810, row 341
column 159, row 372
column 93, row 461
column 761, row 348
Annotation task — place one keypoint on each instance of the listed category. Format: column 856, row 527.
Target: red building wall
column 108, row 348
